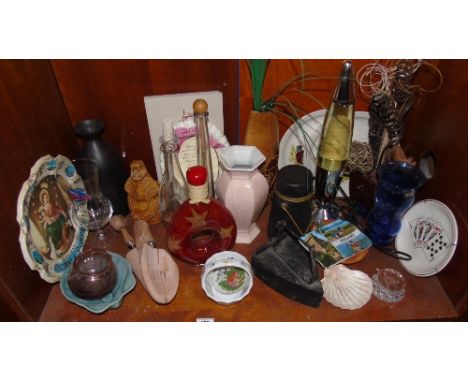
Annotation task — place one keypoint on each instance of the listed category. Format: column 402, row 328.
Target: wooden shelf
column 425, row 298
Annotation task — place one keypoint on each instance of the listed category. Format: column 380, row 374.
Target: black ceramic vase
column 112, row 171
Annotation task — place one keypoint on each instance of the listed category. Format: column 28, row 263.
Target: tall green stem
column 257, row 70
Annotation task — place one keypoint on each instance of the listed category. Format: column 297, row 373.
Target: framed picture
column 175, row 106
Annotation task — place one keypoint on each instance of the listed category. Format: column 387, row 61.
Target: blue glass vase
column 394, row 195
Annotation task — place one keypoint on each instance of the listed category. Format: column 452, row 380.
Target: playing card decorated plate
column 429, row 233
column 49, row 239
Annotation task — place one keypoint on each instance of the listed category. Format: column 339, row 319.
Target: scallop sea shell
column 346, row 288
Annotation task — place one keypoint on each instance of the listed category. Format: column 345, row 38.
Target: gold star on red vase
column 226, row 232
column 197, row 220
column 173, row 244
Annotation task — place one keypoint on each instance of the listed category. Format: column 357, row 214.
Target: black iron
column 284, row 265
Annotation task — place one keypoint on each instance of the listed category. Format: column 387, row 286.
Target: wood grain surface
column 425, row 298
column 33, row 123
column 280, row 71
column 438, row 123
column 113, row 91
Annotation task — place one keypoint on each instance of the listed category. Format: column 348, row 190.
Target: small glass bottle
column 200, row 116
column 173, row 187
column 201, row 226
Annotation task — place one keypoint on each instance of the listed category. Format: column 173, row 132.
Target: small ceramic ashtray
column 112, row 300
column 227, row 277
column 389, row 285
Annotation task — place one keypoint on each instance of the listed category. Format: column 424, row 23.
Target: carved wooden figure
column 143, row 194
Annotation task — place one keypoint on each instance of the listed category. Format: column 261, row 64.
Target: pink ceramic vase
column 242, row 188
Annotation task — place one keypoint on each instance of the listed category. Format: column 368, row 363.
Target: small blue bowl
column 125, row 283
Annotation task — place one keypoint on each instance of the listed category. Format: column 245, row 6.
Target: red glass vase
column 201, row 226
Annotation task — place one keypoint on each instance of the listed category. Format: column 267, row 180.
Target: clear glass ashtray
column 389, row 285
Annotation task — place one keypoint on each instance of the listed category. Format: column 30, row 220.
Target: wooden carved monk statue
column 143, row 194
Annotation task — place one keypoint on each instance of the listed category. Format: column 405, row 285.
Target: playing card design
column 429, row 235
column 417, row 226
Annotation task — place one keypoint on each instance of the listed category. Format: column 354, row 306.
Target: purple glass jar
column 93, row 274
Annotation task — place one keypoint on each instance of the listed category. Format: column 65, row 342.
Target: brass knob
column 200, row 106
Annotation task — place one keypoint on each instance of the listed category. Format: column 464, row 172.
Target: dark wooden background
column 34, row 122
column 280, row 71
column 113, row 90
column 439, row 123
column 41, row 100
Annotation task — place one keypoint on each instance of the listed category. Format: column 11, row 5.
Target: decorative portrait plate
column 49, row 239
column 300, row 146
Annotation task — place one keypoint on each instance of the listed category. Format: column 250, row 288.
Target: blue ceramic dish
column 125, row 283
